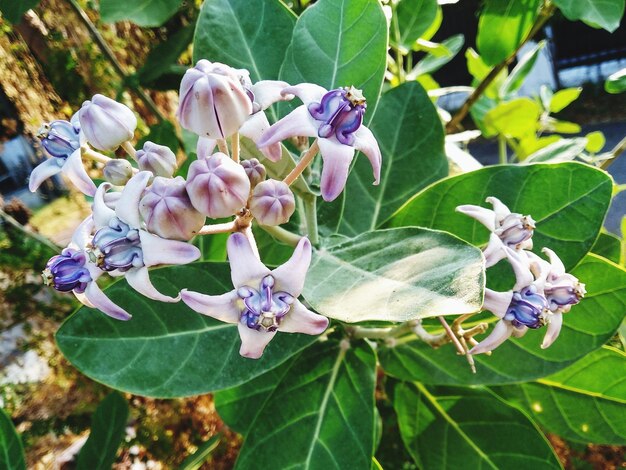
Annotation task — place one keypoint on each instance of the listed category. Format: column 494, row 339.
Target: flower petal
column 485, row 216
column 96, row 297
column 221, row 307
column 501, row 332
column 127, row 208
column 494, row 251
column 74, row 169
column 297, row 123
column 557, row 267
column 497, row 302
column 268, row 92
column 139, row 279
column 102, row 213
column 254, row 128
column 83, row 299
column 253, row 342
column 82, row 234
column 364, row 141
column 157, row 250
column 205, row 147
column 337, row 158
column 42, row 172
column 307, row 92
column 301, row 320
column 291, row 275
column 245, row 267
column 521, row 267
column 553, row 330
column 499, row 208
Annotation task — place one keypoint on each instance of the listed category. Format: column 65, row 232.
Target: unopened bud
column 213, row 103
column 272, row 202
column 217, row 186
column 158, row 159
column 167, row 210
column 255, row 171
column 106, row 123
column 118, row 171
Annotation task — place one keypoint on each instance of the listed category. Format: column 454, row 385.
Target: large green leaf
column 586, row 328
column 463, row 428
column 146, row 13
column 320, row 414
column 502, row 27
column 414, row 17
column 583, row 403
column 11, row 450
column 604, row 14
column 395, row 275
column 608, row 246
column 567, row 200
column 13, row 10
column 249, row 34
column 339, row 43
column 164, row 56
column 410, row 136
column 108, row 425
column 167, row 350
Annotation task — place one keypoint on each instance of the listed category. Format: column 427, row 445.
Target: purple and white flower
column 106, row 123
column 157, row 159
column 263, row 301
column 335, row 118
column 272, row 202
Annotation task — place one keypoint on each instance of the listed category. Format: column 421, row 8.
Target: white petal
column 205, row 147
column 268, row 92
column 83, row 299
column 497, row 302
column 290, row 276
column 297, row 123
column 499, row 208
column 221, row 307
column 501, row 332
column 102, row 213
column 139, row 279
column 307, row 92
column 245, row 267
column 521, row 267
column 494, row 251
column 337, row 158
column 157, row 250
column 96, row 297
column 82, row 234
column 302, row 320
column 518, row 332
column 553, row 330
column 487, row 217
column 73, row 168
column 127, row 208
column 555, row 262
column 365, row 142
column 254, row 128
column 42, row 172
column 253, row 342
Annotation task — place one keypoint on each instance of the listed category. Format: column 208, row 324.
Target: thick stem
column 451, row 335
column 130, row 150
column 217, row 228
column 281, row 234
column 234, row 143
column 310, row 215
column 504, row 158
column 223, row 146
column 93, row 155
column 615, row 152
column 306, row 159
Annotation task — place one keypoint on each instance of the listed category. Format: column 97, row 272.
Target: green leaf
column 339, row 43
column 608, row 246
column 604, row 14
column 167, row 350
column 430, row 63
column 395, row 275
column 513, row 118
column 11, row 450
column 410, row 137
column 616, row 83
column 146, row 13
column 595, row 141
column 13, row 10
column 414, row 18
column 562, row 150
column 164, row 55
column 563, row 98
column 200, row 456
column 463, row 428
column 322, row 410
column 163, row 133
column 249, row 34
column 583, row 403
column 568, row 201
column 502, row 27
column 515, row 80
column 586, row 328
column 108, row 425
column 562, row 127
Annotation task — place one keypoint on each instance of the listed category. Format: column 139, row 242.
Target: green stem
column 399, row 57
column 281, row 234
column 504, row 159
column 310, row 215
column 28, row 232
column 615, row 152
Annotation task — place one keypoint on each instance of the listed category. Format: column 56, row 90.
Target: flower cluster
column 145, row 215
column 543, row 291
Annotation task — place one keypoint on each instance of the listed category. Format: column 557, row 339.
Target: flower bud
column 59, row 138
column 255, row 171
column 118, row 171
column 272, row 202
column 217, row 186
column 67, row 271
column 167, row 210
column 106, row 123
column 213, row 103
column 157, row 159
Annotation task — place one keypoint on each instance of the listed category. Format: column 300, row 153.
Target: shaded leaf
column 604, row 14
column 519, row 73
column 608, row 246
column 146, row 13
column 562, row 150
column 13, row 10
column 414, row 18
column 431, row 63
column 164, row 55
column 11, row 450
column 163, row 133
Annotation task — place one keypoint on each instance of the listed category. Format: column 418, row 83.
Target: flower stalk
column 304, row 162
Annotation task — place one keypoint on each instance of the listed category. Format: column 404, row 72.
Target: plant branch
column 310, row 215
column 29, row 232
column 615, row 152
column 281, row 234
column 302, row 164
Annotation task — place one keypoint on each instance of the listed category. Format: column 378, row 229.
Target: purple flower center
column 67, row 272
column 264, row 309
column 59, row 138
column 564, row 290
column 515, row 229
column 117, row 247
column 527, row 308
column 341, row 112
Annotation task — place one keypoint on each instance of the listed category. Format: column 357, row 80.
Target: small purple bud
column 118, row 171
column 167, row 210
column 117, row 247
column 341, row 112
column 272, row 202
column 217, row 186
column 59, row 138
column 67, row 272
column 564, row 291
column 213, row 103
column 515, row 229
column 106, row 123
column 255, row 171
column 528, row 308
column 158, row 159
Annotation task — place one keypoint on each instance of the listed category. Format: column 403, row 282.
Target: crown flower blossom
column 263, row 301
column 106, row 123
column 62, row 140
column 335, row 118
